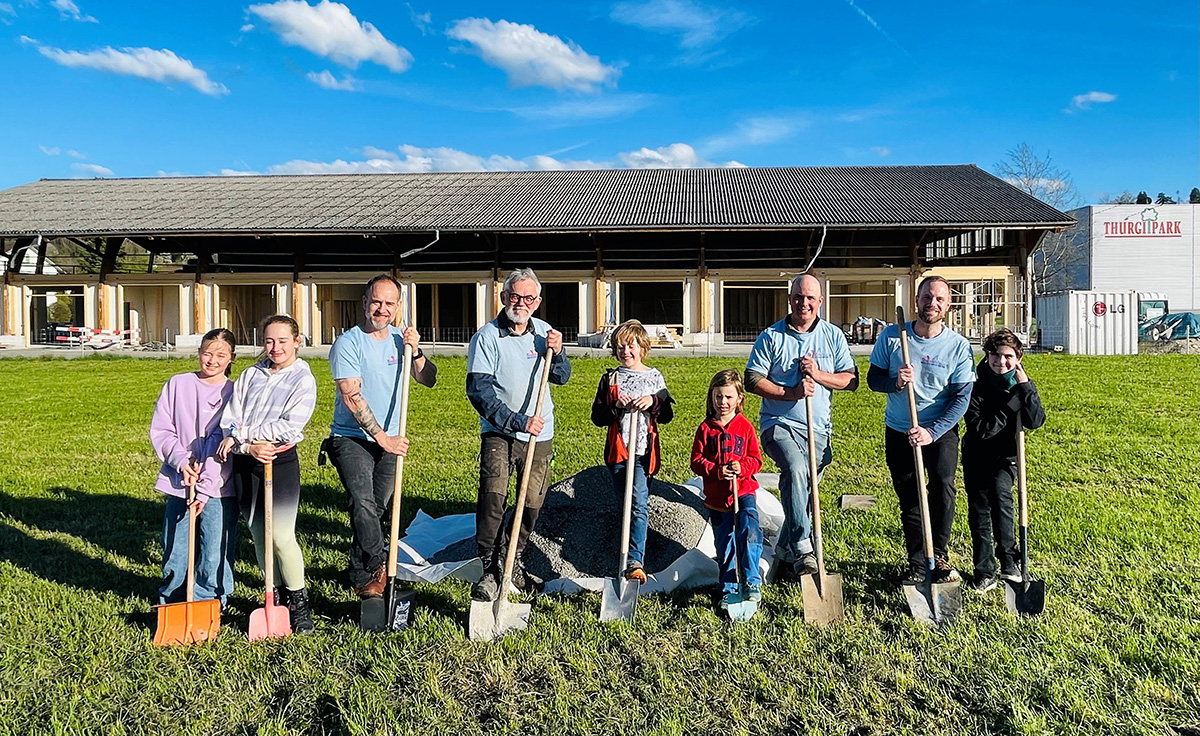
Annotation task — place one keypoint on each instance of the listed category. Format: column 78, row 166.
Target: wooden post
column 108, row 264
column 199, row 305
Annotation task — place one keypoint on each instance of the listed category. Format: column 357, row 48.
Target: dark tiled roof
column 615, row 199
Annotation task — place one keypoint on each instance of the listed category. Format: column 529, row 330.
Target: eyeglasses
column 526, row 299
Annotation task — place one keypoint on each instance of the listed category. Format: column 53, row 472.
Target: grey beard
column 511, row 313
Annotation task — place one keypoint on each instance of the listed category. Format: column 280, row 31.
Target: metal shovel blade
column 270, row 621
column 490, row 621
column 822, row 595
column 187, row 623
column 372, row 615
column 934, row 603
column 618, row 601
column 1027, row 598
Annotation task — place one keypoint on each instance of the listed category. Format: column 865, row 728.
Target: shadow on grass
column 118, row 523
column 54, row 561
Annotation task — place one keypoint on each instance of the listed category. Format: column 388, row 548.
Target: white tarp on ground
column 695, row 568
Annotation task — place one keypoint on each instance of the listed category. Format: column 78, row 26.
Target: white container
column 1089, row 322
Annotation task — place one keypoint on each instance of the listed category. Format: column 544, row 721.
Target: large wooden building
column 707, row 251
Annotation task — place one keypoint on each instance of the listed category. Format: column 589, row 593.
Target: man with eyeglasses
column 799, row 356
column 504, row 365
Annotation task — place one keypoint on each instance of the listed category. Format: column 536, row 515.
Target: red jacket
column 715, row 446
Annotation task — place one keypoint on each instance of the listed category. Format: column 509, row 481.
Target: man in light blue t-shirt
column 504, row 368
column 364, row 440
column 799, row 356
column 941, row 371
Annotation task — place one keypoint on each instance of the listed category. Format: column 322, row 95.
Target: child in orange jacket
column 633, row 394
column 725, row 450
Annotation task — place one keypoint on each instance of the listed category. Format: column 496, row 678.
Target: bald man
column 799, row 356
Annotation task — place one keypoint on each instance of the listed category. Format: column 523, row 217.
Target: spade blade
column 822, row 594
column 618, row 601
column 934, row 603
column 1025, row 598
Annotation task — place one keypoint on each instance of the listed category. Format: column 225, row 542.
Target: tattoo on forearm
column 364, row 417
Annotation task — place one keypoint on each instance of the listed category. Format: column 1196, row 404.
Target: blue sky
column 143, row 89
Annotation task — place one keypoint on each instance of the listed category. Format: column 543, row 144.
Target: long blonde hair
column 727, row 377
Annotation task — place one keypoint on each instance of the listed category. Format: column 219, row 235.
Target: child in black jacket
column 1003, row 401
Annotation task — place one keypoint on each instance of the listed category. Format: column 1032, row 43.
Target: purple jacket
column 186, row 425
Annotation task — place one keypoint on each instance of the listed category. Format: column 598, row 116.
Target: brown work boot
column 375, row 586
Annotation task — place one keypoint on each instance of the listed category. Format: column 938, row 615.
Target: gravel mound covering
column 579, row 530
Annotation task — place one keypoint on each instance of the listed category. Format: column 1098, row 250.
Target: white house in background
column 1140, row 247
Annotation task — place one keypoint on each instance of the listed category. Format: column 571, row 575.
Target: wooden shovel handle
column 818, row 545
column 918, row 458
column 519, row 510
column 191, row 550
column 405, row 376
column 268, row 530
column 626, row 518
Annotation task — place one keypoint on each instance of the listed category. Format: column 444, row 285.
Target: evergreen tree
column 1164, row 199
column 1194, row 197
column 1143, row 198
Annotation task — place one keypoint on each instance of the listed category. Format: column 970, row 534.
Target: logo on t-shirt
column 531, row 354
column 932, row 361
column 392, row 359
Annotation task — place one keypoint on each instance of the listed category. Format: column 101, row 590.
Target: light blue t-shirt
column 355, row 354
column 937, row 363
column 516, row 362
column 776, row 355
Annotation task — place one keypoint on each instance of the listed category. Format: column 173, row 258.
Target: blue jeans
column 639, row 517
column 788, row 447
column 749, row 540
column 216, row 550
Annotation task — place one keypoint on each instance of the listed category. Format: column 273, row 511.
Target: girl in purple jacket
column 185, row 432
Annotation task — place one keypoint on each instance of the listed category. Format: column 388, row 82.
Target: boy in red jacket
column 725, row 450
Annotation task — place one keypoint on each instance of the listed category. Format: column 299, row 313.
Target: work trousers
column 500, row 457
column 941, row 462
column 989, row 485
column 788, row 447
column 368, row 474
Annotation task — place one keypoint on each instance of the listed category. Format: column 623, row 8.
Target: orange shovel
column 192, row 621
column 271, row 620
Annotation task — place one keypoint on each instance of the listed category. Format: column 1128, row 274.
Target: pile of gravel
column 579, row 530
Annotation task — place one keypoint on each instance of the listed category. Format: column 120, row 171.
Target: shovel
column 618, row 602
column 931, row 603
column 490, row 621
column 192, row 621
column 821, row 591
column 1028, row 597
column 271, row 620
column 393, row 612
column 741, row 609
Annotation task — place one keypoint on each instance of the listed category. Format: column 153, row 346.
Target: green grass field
column 1115, row 516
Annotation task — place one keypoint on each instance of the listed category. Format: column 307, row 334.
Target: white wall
column 1147, row 247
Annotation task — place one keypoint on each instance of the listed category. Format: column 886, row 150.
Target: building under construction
column 707, row 253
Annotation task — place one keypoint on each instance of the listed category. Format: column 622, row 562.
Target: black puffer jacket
column 996, row 413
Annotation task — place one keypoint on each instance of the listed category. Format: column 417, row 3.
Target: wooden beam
column 40, row 267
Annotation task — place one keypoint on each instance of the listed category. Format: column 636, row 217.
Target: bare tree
column 1059, row 256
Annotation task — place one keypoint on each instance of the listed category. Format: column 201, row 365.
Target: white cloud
column 75, row 154
column 421, row 20
column 94, row 169
column 674, row 156
column 68, row 9
column 883, row 151
column 756, row 131
column 1085, row 101
column 876, row 26
column 27, row 39
column 246, row 27
column 170, row 173
column 326, row 79
column 329, row 29
column 50, row 150
column 695, row 24
column 532, row 58
column 7, row 9
column 373, row 152
column 156, row 65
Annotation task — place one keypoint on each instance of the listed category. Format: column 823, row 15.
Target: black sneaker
column 1011, row 574
column 983, row 582
column 915, row 575
column 487, row 589
column 944, row 573
column 805, row 565
column 300, row 612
